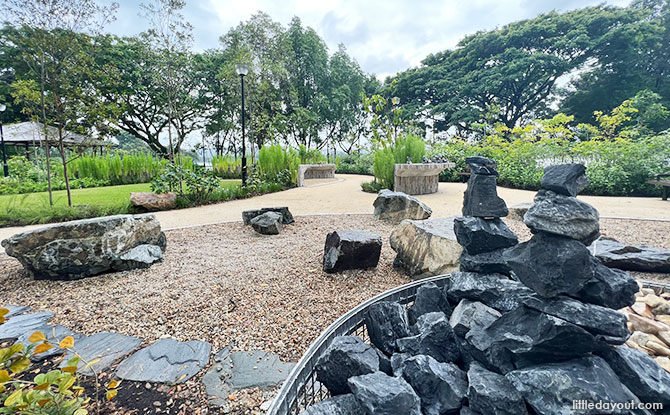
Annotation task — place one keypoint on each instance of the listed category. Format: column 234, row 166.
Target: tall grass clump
column 127, row 169
column 228, row 167
column 279, row 165
column 408, row 146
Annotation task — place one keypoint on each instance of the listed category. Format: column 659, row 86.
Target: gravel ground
column 227, row 285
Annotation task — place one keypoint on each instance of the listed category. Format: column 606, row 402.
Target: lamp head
column 2, row 107
column 242, row 68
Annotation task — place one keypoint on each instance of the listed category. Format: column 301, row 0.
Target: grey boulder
column 478, row 235
column 387, row 322
column 609, row 287
column 551, row 264
column 429, row 299
column 492, row 394
column 268, row 223
column 492, row 262
column 566, row 179
column 286, row 216
column 337, row 405
column 614, row 254
column 87, row 247
column 481, row 198
column 397, row 206
column 346, row 356
column 495, row 290
column 380, row 394
column 469, row 314
column 440, row 386
column 552, row 388
column 166, row 361
column 563, row 215
column 435, row 338
column 351, row 249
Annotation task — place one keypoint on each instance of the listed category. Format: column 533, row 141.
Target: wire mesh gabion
column 301, row 388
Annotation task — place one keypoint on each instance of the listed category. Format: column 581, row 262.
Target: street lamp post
column 243, row 69
column 5, row 168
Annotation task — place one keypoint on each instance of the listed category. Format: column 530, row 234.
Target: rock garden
column 213, row 318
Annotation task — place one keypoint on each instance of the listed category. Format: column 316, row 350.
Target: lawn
column 32, row 208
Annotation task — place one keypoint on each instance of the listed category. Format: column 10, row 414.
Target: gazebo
column 31, row 134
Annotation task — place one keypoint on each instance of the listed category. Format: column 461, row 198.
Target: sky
column 384, row 36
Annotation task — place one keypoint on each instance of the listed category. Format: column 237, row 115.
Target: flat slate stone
column 20, row 324
column 106, row 346
column 614, row 254
column 166, row 361
column 54, row 335
column 242, row 370
column 15, row 310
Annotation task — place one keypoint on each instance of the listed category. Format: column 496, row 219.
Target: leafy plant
column 195, row 185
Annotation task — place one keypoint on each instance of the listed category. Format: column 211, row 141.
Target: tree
column 514, row 68
column 51, row 41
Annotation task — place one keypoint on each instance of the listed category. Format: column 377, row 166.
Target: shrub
column 313, row 156
column 355, row 163
column 195, row 184
column 371, row 187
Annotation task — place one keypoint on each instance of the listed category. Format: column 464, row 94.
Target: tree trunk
column 63, row 157
column 44, row 125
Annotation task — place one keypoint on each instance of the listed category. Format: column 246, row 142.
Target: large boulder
column 268, row 223
column 495, row 290
column 387, row 322
column 397, row 206
column 426, row 247
column 441, row 386
column 551, row 264
column 82, row 248
column 346, row 356
column 609, row 287
column 491, row 394
column 524, row 337
column 563, row 215
column 380, row 394
column 337, row 405
column 351, row 249
column 555, row 388
column 286, row 216
column 153, row 201
column 481, row 198
column 429, row 299
column 469, row 314
column 478, row 235
column 566, row 179
column 640, row 373
column 435, row 339
column 614, row 254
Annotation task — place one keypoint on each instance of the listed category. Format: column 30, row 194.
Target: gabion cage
column 301, row 389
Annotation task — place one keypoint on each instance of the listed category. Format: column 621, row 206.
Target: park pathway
column 344, row 195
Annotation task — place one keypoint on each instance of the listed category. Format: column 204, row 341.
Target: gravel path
column 227, row 285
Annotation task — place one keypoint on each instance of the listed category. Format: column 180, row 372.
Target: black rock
column 525, row 337
column 469, row 314
column 467, row 411
column 609, row 287
column 269, row 223
column 563, row 215
column 441, row 386
column 381, row 394
column 481, row 198
column 492, row 394
column 346, row 356
column 351, row 249
column 287, row 217
column 640, row 373
column 566, row 179
column 551, row 265
column 478, row 235
column 387, row 322
column 481, row 165
column 604, row 323
column 494, row 290
column 396, row 362
column 384, row 363
column 429, row 299
column 337, row 405
column 614, row 254
column 436, row 339
column 553, row 388
column 487, row 263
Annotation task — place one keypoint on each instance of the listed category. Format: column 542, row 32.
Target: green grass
column 33, row 208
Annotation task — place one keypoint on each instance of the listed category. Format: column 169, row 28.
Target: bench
column 660, row 182
column 314, row 171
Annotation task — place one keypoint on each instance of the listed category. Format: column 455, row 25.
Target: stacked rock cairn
column 528, row 328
